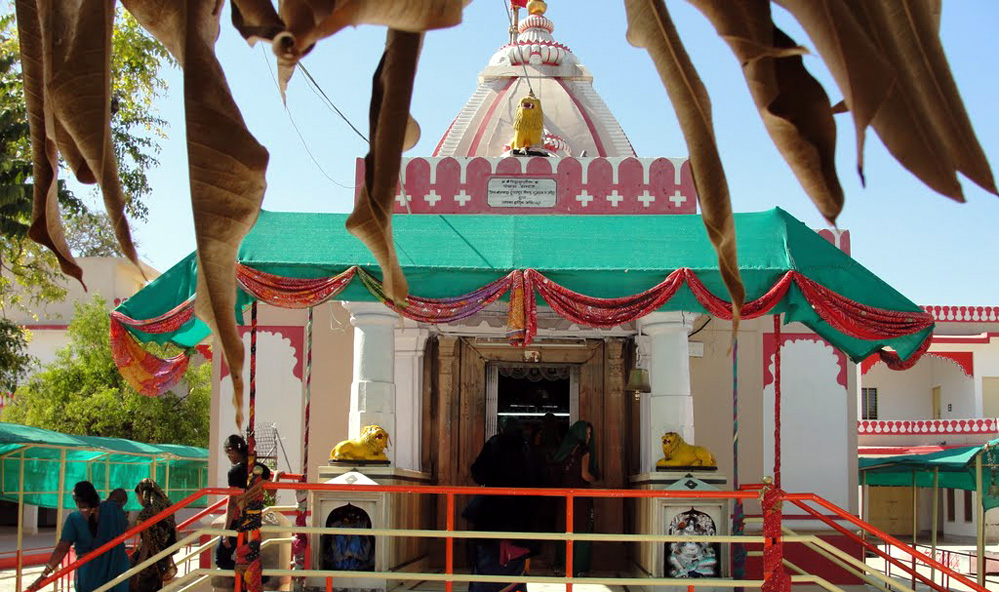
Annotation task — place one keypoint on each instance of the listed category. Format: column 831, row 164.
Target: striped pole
column 738, row 516
column 300, row 546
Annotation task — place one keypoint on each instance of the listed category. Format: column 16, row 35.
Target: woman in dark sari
column 579, row 471
column 154, row 539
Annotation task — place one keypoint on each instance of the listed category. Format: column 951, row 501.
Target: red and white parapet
column 519, row 185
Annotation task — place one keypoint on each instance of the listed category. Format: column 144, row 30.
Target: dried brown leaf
column 308, row 21
column 794, row 107
column 861, row 72
column 46, row 221
column 907, row 34
column 650, row 27
column 392, row 90
column 256, row 20
column 77, row 59
column 226, row 162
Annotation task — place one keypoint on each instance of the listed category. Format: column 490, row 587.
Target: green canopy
column 602, row 256
column 108, row 463
column 956, row 468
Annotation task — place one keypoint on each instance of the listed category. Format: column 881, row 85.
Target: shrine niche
column 348, row 552
column 689, row 559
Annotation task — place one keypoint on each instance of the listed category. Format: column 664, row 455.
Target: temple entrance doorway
column 527, row 393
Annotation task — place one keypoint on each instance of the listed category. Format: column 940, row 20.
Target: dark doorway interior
column 527, row 393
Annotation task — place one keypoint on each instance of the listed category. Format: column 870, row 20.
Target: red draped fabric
column 723, row 309
column 165, row 323
column 859, row 320
column 604, row 312
column 146, row 373
column 152, row 375
column 288, row 292
column 441, row 310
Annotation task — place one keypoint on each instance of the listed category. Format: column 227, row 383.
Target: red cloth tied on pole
column 291, row 292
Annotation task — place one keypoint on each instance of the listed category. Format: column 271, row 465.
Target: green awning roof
column 109, row 463
column 602, row 256
column 956, row 468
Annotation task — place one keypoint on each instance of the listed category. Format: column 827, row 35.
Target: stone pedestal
column 372, row 390
column 670, row 406
column 679, row 516
column 384, row 510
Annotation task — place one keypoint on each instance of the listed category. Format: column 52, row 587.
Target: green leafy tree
column 14, row 359
column 29, row 274
column 83, row 393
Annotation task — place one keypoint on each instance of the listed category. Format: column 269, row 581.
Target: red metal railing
column 832, row 518
column 800, row 499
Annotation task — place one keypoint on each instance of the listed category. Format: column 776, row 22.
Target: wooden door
column 891, row 510
column 936, row 402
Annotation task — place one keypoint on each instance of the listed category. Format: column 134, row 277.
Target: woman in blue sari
column 94, row 524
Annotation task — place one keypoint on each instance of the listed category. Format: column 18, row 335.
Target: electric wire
column 297, row 131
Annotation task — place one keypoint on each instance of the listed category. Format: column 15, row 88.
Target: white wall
column 278, row 400
column 815, row 423
column 902, row 394
column 957, row 390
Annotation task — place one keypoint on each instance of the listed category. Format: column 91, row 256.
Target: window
column 968, row 506
column 868, row 403
column 951, row 512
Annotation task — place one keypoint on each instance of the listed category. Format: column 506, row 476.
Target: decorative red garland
column 845, row 315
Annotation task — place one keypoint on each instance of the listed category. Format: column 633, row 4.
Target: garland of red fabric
column 148, row 374
column 440, row 310
column 289, row 292
column 845, row 315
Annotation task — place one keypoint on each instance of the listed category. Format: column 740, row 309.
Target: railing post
column 569, row 548
column 237, row 586
column 449, row 542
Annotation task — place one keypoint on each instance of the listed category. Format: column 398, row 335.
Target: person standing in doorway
column 579, row 471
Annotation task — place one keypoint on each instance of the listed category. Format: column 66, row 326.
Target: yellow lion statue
column 677, row 453
column 529, row 124
column 370, row 446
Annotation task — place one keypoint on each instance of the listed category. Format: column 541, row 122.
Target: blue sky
column 933, row 250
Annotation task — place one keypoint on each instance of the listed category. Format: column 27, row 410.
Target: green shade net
column 108, row 463
column 601, row 256
column 956, row 468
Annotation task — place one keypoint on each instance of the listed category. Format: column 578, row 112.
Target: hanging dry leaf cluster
column 885, row 56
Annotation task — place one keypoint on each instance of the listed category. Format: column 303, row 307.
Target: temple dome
column 577, row 121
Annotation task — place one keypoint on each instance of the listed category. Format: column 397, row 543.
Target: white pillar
column 372, row 389
column 30, row 518
column 409, row 343
column 670, row 405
